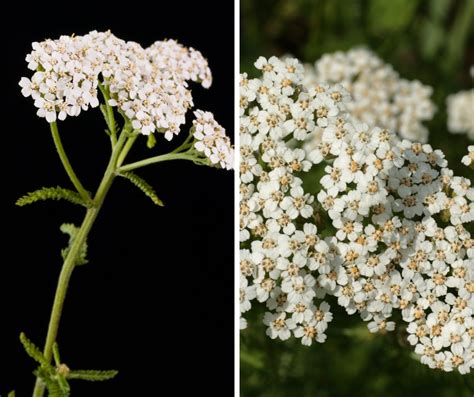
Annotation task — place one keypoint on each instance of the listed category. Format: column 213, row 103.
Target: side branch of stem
column 66, row 164
column 159, row 159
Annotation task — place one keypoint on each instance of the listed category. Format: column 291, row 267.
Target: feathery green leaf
column 92, row 375
column 54, row 390
column 33, row 351
column 72, row 230
column 51, row 193
column 143, row 186
column 56, row 384
column 63, row 385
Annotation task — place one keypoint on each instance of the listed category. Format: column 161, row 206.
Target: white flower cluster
column 468, row 159
column 210, row 139
column 280, row 246
column 148, row 85
column 380, row 97
column 393, row 212
column 460, row 108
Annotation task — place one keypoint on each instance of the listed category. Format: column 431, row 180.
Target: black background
column 156, row 299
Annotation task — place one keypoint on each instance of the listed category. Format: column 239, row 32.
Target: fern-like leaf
column 54, row 390
column 51, row 193
column 92, row 375
column 143, row 186
column 55, row 383
column 72, row 230
column 33, row 351
column 63, row 386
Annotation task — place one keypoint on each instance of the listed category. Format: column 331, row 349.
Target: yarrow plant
column 149, row 90
column 384, row 236
column 380, row 97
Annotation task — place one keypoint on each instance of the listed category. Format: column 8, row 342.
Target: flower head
column 212, row 141
column 380, row 97
column 148, row 86
column 396, row 239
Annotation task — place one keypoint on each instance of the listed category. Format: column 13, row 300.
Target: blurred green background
column 428, row 40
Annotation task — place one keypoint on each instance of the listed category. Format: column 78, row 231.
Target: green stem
column 110, row 115
column 128, row 145
column 159, row 159
column 185, row 145
column 67, row 165
column 71, row 259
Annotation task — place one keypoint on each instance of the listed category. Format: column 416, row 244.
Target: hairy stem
column 71, row 259
column 67, row 165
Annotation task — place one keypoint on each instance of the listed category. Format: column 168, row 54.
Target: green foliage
column 56, row 383
column 33, row 351
column 93, row 376
column 52, row 386
column 11, row 394
column 72, row 230
column 63, row 385
column 391, row 16
column 51, row 193
column 46, row 372
column 458, row 35
column 56, row 377
column 352, row 362
column 143, row 186
column 432, row 30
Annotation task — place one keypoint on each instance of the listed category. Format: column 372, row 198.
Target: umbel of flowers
column 149, row 90
column 380, row 97
column 391, row 211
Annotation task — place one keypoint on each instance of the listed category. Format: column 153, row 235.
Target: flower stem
column 185, row 145
column 67, row 165
column 159, row 159
column 71, row 259
column 110, row 115
column 128, row 145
